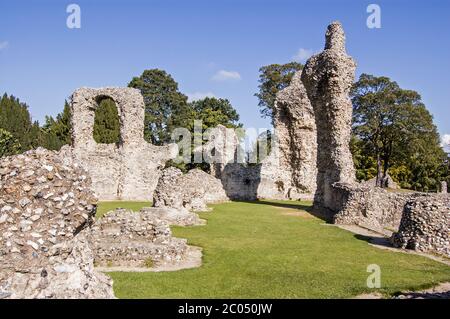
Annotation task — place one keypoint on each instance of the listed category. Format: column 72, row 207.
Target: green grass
column 257, row 250
column 104, row 207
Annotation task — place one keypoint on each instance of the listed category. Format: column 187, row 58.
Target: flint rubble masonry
column 328, row 78
column 128, row 170
column 46, row 209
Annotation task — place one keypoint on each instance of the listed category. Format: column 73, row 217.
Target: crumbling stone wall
column 46, row 209
column 135, row 239
column 425, row 225
column 370, row 207
column 328, row 77
column 295, row 127
column 283, row 174
column 188, row 192
column 128, row 170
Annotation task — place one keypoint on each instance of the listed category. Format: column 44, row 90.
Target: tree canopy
column 8, row 144
column 394, row 133
column 272, row 79
column 106, row 122
column 165, row 106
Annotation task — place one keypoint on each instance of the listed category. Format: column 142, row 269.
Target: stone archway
column 128, row 170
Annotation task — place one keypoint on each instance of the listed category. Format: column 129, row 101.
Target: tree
column 8, row 144
column 16, row 119
column 106, row 122
column 273, row 78
column 212, row 112
column 165, row 107
column 393, row 127
column 58, row 131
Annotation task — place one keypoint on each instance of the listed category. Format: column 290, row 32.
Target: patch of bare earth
column 294, row 212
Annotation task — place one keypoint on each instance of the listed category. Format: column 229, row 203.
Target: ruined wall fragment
column 128, row 170
column 425, row 225
column 328, row 77
column 295, row 127
column 46, row 210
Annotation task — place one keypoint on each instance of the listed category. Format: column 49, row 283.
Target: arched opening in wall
column 106, row 121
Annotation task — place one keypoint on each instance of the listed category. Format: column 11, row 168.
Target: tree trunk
column 379, row 182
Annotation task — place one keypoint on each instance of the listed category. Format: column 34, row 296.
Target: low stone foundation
column 126, row 238
column 370, row 207
column 425, row 225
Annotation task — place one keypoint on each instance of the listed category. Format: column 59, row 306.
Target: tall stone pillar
column 328, row 77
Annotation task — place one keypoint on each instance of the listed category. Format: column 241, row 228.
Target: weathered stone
column 328, row 78
column 425, row 225
column 31, row 248
column 128, row 170
column 188, row 192
column 295, row 127
column 269, row 179
column 135, row 239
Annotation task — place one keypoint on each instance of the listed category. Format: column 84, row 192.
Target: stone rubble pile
column 187, row 192
column 425, row 225
column 135, row 239
column 46, row 209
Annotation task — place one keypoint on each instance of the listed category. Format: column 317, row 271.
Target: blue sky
column 214, row 47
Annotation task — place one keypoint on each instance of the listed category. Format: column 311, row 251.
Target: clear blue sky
column 43, row 62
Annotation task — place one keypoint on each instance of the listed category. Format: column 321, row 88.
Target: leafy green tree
column 106, row 122
column 58, row 131
column 8, row 144
column 212, row 112
column 165, row 107
column 16, row 119
column 394, row 129
column 272, row 79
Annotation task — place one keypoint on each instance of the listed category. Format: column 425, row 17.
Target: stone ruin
column 49, row 241
column 128, row 170
column 424, row 225
column 421, row 220
column 46, row 210
column 328, row 78
column 126, row 238
column 188, row 192
column 295, row 126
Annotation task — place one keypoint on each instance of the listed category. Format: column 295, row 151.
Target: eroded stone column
column 328, row 77
column 296, row 131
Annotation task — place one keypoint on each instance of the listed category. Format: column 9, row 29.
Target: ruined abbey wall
column 128, row 170
column 328, row 77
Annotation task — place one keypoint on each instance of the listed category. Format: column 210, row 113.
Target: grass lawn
column 105, row 207
column 276, row 250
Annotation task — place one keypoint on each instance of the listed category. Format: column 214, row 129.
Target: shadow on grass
column 375, row 240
